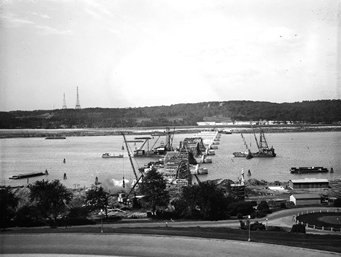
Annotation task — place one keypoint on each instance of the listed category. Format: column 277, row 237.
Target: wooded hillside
column 321, row 111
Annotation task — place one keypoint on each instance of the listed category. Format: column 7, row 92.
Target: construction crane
column 249, row 156
column 129, row 155
column 144, row 140
column 254, row 133
column 169, row 138
column 132, row 165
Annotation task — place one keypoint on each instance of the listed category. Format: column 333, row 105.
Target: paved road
column 282, row 218
column 146, row 245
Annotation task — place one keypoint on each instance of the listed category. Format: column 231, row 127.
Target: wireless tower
column 64, row 103
column 78, row 106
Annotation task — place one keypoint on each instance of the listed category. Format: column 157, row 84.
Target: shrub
column 239, row 216
column 263, row 206
column 337, row 202
column 8, row 203
column 257, row 226
column 275, row 228
column 243, row 225
column 27, row 216
column 78, row 213
column 258, row 214
column 283, row 206
column 298, row 228
column 245, row 208
column 165, row 215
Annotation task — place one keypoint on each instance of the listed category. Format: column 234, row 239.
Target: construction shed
column 305, row 199
column 308, row 183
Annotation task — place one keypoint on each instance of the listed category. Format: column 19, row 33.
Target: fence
column 318, row 227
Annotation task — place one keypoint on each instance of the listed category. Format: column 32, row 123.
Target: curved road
column 282, row 218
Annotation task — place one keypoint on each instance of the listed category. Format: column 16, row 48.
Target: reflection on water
column 83, row 162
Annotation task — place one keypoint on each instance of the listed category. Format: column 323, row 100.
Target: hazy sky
column 133, row 53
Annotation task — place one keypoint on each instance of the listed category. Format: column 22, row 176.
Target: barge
column 109, row 155
column 28, row 175
column 300, row 170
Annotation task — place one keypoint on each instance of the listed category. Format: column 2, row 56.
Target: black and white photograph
column 170, row 128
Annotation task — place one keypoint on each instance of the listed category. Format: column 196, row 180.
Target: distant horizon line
column 335, row 99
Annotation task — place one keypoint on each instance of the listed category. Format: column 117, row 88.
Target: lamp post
column 249, row 227
column 101, row 213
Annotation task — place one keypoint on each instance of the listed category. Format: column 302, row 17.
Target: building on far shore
column 305, row 199
column 308, row 183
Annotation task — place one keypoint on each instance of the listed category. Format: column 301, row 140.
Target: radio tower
column 64, row 103
column 78, row 106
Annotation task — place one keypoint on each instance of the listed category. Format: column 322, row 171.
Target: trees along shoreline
column 51, row 203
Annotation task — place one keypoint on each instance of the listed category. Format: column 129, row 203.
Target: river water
column 84, row 162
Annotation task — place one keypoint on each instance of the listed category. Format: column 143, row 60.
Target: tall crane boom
column 254, row 133
column 129, row 155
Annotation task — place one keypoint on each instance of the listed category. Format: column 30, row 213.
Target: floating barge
column 28, row 175
column 300, row 170
column 109, row 155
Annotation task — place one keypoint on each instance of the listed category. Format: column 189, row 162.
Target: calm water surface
column 84, row 162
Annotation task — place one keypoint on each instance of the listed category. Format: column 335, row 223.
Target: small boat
column 196, row 170
column 300, row 170
column 109, row 155
column 28, row 175
column 202, row 171
column 55, row 137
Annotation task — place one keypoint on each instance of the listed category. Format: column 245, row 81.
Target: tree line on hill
column 311, row 112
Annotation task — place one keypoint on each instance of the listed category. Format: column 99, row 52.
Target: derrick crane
column 249, row 156
column 262, row 144
column 146, row 140
column 169, row 138
column 129, row 155
column 132, row 165
column 254, row 133
column 247, row 148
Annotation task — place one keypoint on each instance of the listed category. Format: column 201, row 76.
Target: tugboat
column 262, row 145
